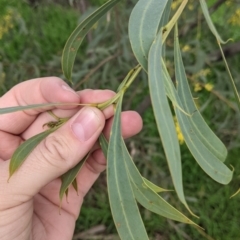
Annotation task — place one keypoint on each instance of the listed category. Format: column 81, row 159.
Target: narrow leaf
column 163, row 116
column 123, row 205
column 200, row 146
column 75, row 185
column 171, row 90
column 154, row 187
column 207, row 161
column 209, row 21
column 203, row 131
column 150, row 199
column 34, row 106
column 144, row 194
column 76, row 38
column 143, row 27
column 25, row 149
column 69, row 177
column 104, row 144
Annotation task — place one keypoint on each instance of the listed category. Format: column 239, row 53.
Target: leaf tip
column 9, row 178
column 190, row 211
column 235, row 194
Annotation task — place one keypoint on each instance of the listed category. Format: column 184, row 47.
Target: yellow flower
column 234, row 19
column 190, row 7
column 175, row 4
column 204, row 72
column 197, row 87
column 208, row 87
column 186, row 48
column 178, row 130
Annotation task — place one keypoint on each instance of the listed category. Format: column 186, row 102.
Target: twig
column 217, row 94
column 216, row 5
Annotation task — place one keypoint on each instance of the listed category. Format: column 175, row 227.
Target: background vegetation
column 32, row 36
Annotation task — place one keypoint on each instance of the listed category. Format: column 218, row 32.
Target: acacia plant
column 149, row 27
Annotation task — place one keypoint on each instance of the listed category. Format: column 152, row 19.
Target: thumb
column 58, row 152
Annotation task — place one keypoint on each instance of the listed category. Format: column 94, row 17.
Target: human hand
column 29, row 203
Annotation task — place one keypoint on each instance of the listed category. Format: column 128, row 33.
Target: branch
column 217, row 4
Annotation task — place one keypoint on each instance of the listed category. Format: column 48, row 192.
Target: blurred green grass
column 32, row 48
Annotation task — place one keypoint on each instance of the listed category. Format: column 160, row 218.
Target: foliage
column 42, row 31
column 218, row 116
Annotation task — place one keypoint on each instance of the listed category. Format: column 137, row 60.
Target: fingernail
column 86, row 124
column 67, row 88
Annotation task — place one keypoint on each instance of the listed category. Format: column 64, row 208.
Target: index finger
column 35, row 91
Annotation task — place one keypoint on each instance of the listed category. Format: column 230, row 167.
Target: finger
column 36, row 91
column 98, row 96
column 87, row 96
column 55, row 155
column 8, row 144
column 131, row 123
column 11, row 142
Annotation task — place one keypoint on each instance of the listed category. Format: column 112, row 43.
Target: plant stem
column 167, row 29
column 127, row 81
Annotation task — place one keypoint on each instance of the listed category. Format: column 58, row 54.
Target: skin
column 29, row 202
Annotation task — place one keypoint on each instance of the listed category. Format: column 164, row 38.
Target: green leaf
column 33, row 106
column 143, row 27
column 209, row 21
column 204, row 154
column 201, row 129
column 25, row 149
column 150, row 199
column 123, row 205
column 75, row 185
column 154, row 187
column 104, row 144
column 143, row 189
column 164, row 118
column 170, row 89
column 69, row 177
column 76, row 38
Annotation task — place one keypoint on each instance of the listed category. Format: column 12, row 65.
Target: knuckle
column 55, row 150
